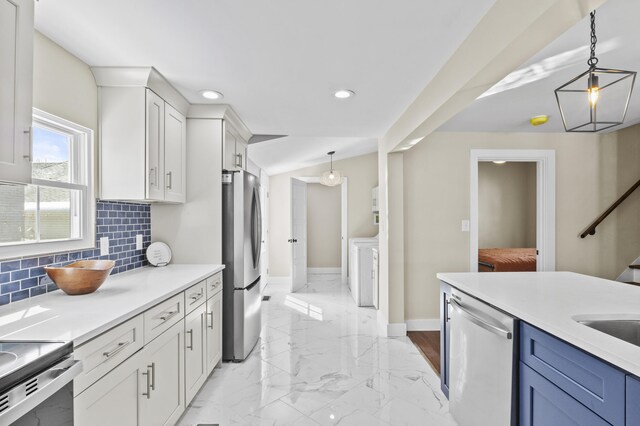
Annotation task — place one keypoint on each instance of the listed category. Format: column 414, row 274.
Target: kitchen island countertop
column 552, row 301
column 57, row 316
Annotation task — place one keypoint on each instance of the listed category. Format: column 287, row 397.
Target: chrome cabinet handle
column 210, row 315
column 148, row 392
column 239, row 161
column 153, row 375
column 170, row 180
column 190, row 333
column 28, row 130
column 168, row 315
column 120, row 347
column 480, row 322
column 196, row 296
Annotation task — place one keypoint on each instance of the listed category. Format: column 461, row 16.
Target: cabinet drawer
column 162, row 316
column 594, row 383
column 195, row 296
column 214, row 284
column 105, row 352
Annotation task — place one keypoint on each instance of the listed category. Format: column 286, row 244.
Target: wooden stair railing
column 591, row 230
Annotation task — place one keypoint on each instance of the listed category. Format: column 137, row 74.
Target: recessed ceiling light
column 211, row 94
column 499, row 162
column 344, row 94
column 538, row 120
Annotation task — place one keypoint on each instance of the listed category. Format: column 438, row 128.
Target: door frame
column 545, row 160
column 344, row 221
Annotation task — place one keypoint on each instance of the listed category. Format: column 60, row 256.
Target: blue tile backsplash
column 121, row 222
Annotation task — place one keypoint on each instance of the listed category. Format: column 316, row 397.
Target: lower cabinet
column 214, row 331
column 195, row 366
column 544, row 404
column 445, row 332
column 633, row 401
column 146, row 389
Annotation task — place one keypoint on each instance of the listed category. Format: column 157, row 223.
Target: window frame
column 82, row 157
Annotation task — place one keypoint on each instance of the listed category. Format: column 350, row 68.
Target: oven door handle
column 479, row 321
column 55, row 378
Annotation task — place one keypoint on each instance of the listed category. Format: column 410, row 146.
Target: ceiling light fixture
column 344, row 94
column 499, row 162
column 211, row 94
column 538, row 120
column 598, row 98
column 331, row 177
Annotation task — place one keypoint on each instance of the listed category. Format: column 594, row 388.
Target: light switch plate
column 104, row 246
column 465, row 225
column 138, row 241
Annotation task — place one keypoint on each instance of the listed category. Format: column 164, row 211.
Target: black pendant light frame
column 593, row 74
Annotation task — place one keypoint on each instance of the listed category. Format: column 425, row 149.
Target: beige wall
column 506, row 204
column 323, row 226
column 591, row 172
column 363, row 176
column 63, row 85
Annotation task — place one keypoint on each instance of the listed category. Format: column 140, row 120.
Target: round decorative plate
column 158, row 254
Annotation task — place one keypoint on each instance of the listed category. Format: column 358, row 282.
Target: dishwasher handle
column 479, row 321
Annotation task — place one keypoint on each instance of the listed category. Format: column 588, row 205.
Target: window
column 57, row 211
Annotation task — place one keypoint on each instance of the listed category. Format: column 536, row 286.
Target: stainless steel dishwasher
column 482, row 355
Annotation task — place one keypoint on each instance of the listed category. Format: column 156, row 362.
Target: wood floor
column 429, row 344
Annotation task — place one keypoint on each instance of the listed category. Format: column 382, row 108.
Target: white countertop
column 57, row 316
column 550, row 300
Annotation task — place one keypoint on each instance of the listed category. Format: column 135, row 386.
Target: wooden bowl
column 82, row 277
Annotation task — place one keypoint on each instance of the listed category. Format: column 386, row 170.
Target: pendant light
column 598, row 98
column 331, row 177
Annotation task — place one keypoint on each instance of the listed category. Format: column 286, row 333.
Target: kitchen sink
column 623, row 329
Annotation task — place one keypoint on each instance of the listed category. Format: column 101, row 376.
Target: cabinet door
column 214, row 331
column 155, row 146
column 16, row 75
column 544, row 404
column 195, row 366
column 112, row 400
column 229, row 151
column 175, row 136
column 162, row 378
column 241, row 153
column 633, row 401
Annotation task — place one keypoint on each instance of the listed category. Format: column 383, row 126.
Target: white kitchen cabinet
column 142, row 136
column 195, row 365
column 235, row 150
column 161, row 391
column 214, row 331
column 16, row 99
column 112, row 400
column 361, row 277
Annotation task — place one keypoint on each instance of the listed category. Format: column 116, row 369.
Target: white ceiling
column 529, row 91
column 277, row 62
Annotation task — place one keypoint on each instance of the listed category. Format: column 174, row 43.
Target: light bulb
column 593, row 91
column 331, row 175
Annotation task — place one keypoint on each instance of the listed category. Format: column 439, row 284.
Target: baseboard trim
column 423, row 324
column 279, row 280
column 396, row 329
column 324, row 270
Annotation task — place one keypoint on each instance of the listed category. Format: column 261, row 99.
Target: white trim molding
column 545, row 160
column 324, row 270
column 396, row 329
column 423, row 324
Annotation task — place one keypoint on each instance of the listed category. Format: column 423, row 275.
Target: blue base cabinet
column 633, row 401
column 544, row 404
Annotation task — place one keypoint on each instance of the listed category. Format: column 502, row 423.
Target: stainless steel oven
column 36, row 383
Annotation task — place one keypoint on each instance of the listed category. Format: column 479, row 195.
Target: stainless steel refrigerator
column 241, row 240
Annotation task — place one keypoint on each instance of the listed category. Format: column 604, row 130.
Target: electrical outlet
column 465, row 225
column 104, row 246
column 139, row 242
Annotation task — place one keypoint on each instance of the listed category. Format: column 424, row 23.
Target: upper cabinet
column 142, row 136
column 235, row 149
column 16, row 99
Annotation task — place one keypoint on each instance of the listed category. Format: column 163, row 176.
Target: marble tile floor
column 320, row 361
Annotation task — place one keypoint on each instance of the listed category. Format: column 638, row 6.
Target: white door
column 162, row 378
column 195, row 369
column 175, row 135
column 16, row 75
column 155, row 146
column 298, row 238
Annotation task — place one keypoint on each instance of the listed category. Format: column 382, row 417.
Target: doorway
column 543, row 167
column 300, row 234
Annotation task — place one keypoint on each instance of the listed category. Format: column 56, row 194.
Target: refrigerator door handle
column 259, row 225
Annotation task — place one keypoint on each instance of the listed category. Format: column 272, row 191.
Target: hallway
column 320, row 361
